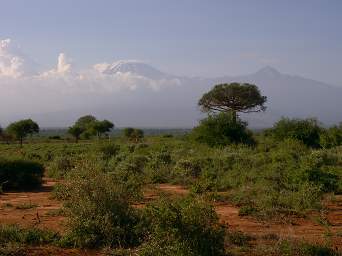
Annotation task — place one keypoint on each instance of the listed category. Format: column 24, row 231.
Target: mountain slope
column 137, row 94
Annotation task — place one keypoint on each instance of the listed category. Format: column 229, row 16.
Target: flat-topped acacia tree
column 22, row 128
column 234, row 98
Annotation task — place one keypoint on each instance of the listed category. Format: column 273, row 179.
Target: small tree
column 128, row 132
column 22, row 128
column 133, row 134
column 101, row 127
column 234, row 97
column 75, row 131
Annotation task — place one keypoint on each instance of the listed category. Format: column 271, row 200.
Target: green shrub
column 59, row 167
column 288, row 248
column 184, row 227
column 238, row 238
column 331, row 137
column 34, row 236
column 20, row 174
column 108, row 150
column 188, row 168
column 306, row 130
column 100, row 212
column 221, row 130
column 319, row 167
column 246, row 210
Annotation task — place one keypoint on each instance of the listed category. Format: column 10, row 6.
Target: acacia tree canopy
column 234, row 97
column 101, row 127
column 22, row 128
column 85, row 122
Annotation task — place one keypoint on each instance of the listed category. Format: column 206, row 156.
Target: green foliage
column 76, row 132
column 108, row 150
column 132, row 134
column 221, row 130
column 99, row 210
column 59, row 167
column 238, row 238
column 331, row 137
column 306, row 130
column 85, row 122
column 288, row 248
column 20, row 174
column 87, row 126
column 22, row 128
column 184, row 227
column 101, row 127
column 34, row 236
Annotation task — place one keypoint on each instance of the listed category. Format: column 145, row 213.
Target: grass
column 55, row 212
column 26, row 206
column 33, row 236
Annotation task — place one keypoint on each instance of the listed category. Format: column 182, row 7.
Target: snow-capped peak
column 130, row 66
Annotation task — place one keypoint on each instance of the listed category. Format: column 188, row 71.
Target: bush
column 59, row 167
column 108, row 150
column 34, row 236
column 319, row 167
column 20, row 174
column 99, row 210
column 331, row 137
column 288, row 248
column 184, row 227
column 222, row 130
column 306, row 130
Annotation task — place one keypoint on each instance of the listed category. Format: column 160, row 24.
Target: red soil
column 307, row 229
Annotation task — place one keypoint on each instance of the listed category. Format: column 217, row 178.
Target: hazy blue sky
column 202, row 38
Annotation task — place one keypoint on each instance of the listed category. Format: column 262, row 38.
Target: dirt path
column 32, row 209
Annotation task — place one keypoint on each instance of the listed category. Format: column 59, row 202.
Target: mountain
column 134, row 67
column 135, row 93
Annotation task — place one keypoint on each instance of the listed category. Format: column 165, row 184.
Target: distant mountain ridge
column 165, row 100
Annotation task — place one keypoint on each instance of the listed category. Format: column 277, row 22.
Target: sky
column 189, row 37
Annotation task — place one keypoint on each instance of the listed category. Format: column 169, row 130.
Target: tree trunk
column 21, row 142
column 234, row 114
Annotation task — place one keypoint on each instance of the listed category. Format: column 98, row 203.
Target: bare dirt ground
column 43, row 213
column 32, row 209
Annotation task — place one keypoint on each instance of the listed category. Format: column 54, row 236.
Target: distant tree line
column 223, row 125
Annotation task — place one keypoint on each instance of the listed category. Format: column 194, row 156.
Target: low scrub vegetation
column 20, row 174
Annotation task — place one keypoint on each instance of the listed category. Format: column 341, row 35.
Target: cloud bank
column 26, row 90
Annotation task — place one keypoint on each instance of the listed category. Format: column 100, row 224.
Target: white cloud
column 63, row 67
column 11, row 65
